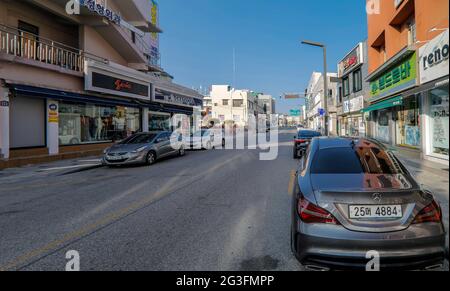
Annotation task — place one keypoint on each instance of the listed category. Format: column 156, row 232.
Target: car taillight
column 310, row 213
column 431, row 213
column 300, row 140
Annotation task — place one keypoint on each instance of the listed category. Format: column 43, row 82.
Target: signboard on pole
column 295, row 112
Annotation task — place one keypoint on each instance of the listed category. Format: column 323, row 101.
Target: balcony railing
column 32, row 47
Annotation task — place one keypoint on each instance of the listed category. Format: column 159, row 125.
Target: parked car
column 302, row 141
column 206, row 139
column 144, row 148
column 353, row 196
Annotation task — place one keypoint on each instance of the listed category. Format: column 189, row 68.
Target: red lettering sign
column 122, row 85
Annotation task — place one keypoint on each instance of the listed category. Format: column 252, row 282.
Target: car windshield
column 308, row 134
column 358, row 160
column 139, row 139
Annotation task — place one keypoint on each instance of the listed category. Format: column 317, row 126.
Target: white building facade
column 314, row 102
column 234, row 106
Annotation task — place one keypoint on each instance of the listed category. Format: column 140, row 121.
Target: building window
column 408, row 130
column 225, row 102
column 439, row 122
column 88, row 123
column 346, row 86
column 30, row 35
column 238, row 103
column 382, row 125
column 412, row 36
column 357, row 81
column 158, row 122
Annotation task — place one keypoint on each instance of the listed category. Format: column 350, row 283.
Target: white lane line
column 67, row 167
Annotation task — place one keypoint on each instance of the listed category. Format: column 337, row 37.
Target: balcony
column 40, row 51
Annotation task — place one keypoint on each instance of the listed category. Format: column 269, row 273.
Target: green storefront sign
column 398, row 78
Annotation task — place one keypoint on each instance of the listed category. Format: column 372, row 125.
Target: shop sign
column 352, row 60
column 401, row 77
column 176, row 99
column 295, row 112
column 355, row 104
column 4, row 103
column 434, row 59
column 118, row 86
column 154, row 39
column 101, row 9
column 53, row 115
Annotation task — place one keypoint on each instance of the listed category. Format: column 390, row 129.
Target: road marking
column 110, row 218
column 291, row 182
column 67, row 167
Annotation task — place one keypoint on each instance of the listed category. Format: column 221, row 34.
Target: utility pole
column 325, row 83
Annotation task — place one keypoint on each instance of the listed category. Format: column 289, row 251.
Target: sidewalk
column 433, row 176
column 39, row 171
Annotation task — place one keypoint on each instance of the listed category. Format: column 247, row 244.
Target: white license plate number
column 375, row 211
column 114, row 158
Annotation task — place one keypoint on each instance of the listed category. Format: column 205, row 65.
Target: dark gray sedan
column 144, row 148
column 354, row 201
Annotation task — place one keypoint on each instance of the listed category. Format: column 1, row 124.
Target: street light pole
column 325, row 82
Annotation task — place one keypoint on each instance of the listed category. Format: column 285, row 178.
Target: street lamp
column 325, row 81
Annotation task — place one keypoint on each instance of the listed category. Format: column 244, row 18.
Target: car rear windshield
column 139, row 139
column 308, row 134
column 362, row 160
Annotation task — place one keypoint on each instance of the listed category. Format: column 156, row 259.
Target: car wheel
column 182, row 152
column 151, row 158
column 295, row 154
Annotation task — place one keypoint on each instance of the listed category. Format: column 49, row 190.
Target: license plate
column 375, row 211
column 114, row 158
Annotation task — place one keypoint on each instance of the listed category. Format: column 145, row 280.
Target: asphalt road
column 210, row 210
column 219, row 210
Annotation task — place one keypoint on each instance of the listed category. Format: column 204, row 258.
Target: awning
column 45, row 93
column 38, row 92
column 395, row 101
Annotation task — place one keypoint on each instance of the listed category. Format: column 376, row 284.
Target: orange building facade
column 408, row 51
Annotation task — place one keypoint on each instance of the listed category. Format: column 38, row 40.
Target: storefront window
column 383, row 126
column 439, row 113
column 86, row 123
column 158, row 122
column 408, row 130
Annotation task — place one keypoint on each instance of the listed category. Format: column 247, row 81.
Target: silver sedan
column 144, row 148
column 355, row 206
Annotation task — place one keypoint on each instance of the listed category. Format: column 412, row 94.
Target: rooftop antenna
column 234, row 67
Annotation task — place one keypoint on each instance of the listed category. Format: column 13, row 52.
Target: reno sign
column 433, row 62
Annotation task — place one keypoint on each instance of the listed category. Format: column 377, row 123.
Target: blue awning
column 31, row 91
column 38, row 92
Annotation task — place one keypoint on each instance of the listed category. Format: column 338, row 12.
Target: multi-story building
column 74, row 80
column 408, row 75
column 314, row 100
column 267, row 103
column 353, row 92
column 235, row 106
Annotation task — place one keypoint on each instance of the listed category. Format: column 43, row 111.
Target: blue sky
column 199, row 37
